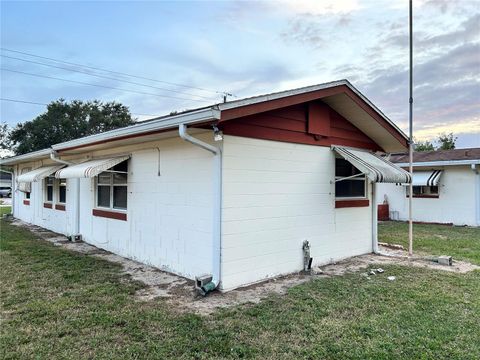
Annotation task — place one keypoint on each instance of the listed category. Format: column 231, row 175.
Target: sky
column 184, row 54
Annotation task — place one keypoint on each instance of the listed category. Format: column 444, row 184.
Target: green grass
column 463, row 243
column 5, row 210
column 58, row 304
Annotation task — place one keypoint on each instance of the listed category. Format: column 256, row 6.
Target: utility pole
column 410, row 148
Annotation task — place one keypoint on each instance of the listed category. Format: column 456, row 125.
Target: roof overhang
column 342, row 96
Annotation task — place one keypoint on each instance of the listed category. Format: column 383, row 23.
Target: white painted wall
column 275, row 196
column 169, row 217
column 457, row 203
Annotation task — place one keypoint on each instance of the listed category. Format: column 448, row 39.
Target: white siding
column 169, row 218
column 275, row 196
column 457, row 203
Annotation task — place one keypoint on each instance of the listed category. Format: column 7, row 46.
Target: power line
column 43, row 104
column 104, row 77
column 111, row 71
column 97, row 85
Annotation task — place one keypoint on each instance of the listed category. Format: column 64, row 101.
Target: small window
column 423, row 191
column 62, row 191
column 27, row 195
column 49, row 181
column 112, row 187
column 354, row 185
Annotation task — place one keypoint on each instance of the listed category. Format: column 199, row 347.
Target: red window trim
column 60, row 207
column 110, row 214
column 47, row 205
column 351, row 203
column 26, row 202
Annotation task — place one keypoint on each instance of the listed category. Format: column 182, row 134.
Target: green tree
column 424, row 146
column 65, row 121
column 446, row 142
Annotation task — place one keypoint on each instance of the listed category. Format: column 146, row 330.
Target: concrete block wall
column 275, row 196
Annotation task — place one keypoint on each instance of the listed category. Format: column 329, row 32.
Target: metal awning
column 426, row 178
column 38, row 174
column 90, row 168
column 375, row 167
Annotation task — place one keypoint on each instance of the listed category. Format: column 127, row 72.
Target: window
column 112, row 187
column 62, row 191
column 27, row 195
column 423, row 191
column 355, row 184
column 49, row 182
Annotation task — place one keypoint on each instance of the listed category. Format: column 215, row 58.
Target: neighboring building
column 446, row 187
column 231, row 190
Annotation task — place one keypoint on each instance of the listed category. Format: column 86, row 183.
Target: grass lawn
column 58, row 304
column 5, row 210
column 463, row 243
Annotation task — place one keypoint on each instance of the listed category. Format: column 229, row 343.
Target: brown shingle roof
column 438, row 155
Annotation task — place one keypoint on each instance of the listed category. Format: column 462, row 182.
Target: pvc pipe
column 217, row 208
column 53, row 156
column 374, row 221
column 477, row 193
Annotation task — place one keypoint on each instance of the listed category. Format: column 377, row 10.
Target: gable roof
column 340, row 95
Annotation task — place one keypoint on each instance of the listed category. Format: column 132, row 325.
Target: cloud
column 315, row 7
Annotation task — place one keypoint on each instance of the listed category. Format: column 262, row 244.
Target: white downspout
column 217, row 208
column 53, row 156
column 477, row 193
column 374, row 221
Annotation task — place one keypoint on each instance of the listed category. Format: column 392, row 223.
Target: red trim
column 311, row 96
column 312, row 124
column 351, row 203
column 47, row 205
column 110, row 214
column 60, row 207
column 26, row 202
column 383, row 212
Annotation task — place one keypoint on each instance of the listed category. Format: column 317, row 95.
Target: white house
column 446, row 187
column 232, row 190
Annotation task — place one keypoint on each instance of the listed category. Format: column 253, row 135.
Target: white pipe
column 374, row 221
column 53, row 156
column 477, row 192
column 217, row 207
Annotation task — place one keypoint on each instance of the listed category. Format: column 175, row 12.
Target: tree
column 446, row 142
column 66, row 121
column 424, row 146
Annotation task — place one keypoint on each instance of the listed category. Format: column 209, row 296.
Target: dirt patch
column 179, row 291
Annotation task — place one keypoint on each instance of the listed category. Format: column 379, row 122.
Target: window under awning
column 426, row 178
column 38, row 174
column 375, row 167
column 90, row 168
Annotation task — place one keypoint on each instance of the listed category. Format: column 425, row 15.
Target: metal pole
column 410, row 149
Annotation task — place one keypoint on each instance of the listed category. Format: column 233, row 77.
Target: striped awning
column 375, row 167
column 90, row 168
column 38, row 174
column 426, row 178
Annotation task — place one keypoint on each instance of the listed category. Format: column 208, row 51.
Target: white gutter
column 35, row 155
column 53, row 156
column 193, row 117
column 217, row 207
column 441, row 163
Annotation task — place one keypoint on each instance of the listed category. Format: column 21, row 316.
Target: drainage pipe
column 217, row 206
column 374, row 221
column 477, row 193
column 54, row 157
